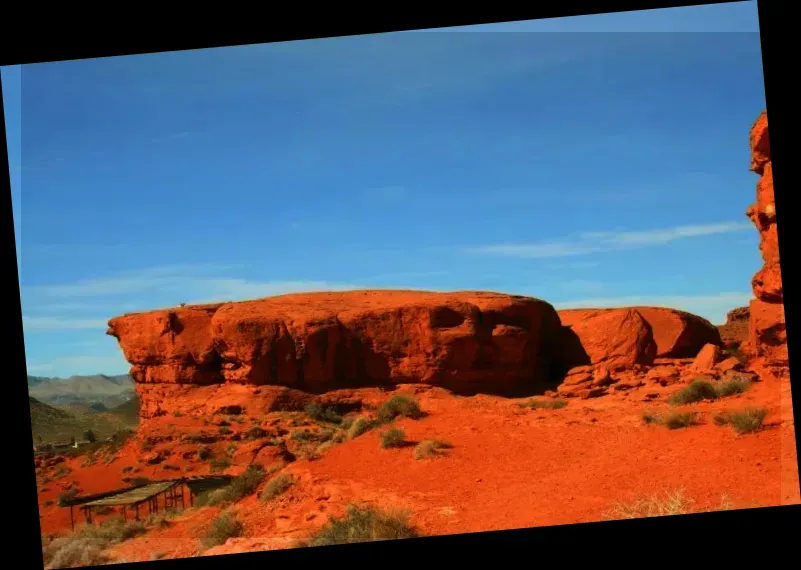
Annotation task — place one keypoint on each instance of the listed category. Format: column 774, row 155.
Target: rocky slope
column 767, row 334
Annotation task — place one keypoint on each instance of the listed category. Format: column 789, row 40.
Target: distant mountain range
column 98, row 391
column 59, row 423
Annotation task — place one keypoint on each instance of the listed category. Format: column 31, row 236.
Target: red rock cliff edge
column 767, row 335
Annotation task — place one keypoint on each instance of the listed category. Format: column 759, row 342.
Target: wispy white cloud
column 156, row 278
column 594, row 242
column 712, row 307
column 80, row 364
column 35, row 324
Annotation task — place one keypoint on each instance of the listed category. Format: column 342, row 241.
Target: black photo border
column 65, row 32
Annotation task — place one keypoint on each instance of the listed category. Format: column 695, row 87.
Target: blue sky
column 602, row 163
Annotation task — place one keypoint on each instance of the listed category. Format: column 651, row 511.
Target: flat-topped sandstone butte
column 464, row 341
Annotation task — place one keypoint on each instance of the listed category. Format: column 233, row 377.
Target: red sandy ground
column 509, row 467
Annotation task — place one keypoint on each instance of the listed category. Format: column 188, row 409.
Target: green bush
column 359, row 426
column 397, row 406
column 278, row 485
column 673, row 420
column 224, row 527
column 363, row 524
column 322, row 414
column 430, row 448
column 744, row 421
column 696, row 391
column 85, row 546
column 733, row 386
column 393, row 437
column 220, row 464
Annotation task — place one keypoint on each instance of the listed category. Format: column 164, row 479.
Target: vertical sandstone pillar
column 767, row 335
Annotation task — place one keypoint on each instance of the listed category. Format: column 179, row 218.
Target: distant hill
column 51, row 423
column 127, row 412
column 108, row 391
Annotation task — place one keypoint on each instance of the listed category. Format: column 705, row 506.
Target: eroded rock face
column 635, row 335
column 767, row 335
column 317, row 342
column 735, row 330
column 616, row 337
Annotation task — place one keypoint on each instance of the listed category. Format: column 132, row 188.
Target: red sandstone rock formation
column 735, row 331
column 636, row 335
column 323, row 341
column 767, row 335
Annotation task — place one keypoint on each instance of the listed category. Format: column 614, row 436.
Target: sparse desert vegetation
column 661, row 504
column 400, row 405
column 743, row 421
column 276, row 486
column 224, row 527
column 673, row 419
column 700, row 390
column 392, row 437
column 430, row 448
column 85, row 546
column 363, row 524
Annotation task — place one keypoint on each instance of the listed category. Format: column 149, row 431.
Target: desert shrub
column 224, row 527
column 540, row 404
column 318, row 436
column 127, row 469
column 85, row 546
column 204, row 453
column 671, row 503
column 277, row 486
column 211, row 497
column 650, row 418
column 320, row 413
column 224, row 430
column 67, row 496
column 246, row 483
column 393, row 437
column 744, row 421
column 666, row 504
column 696, row 391
column 430, row 448
column 363, row 524
column 399, row 405
column 178, row 414
column 678, row 420
column 733, row 386
column 359, row 426
column 256, row 432
column 220, row 463
column 673, row 420
column 139, row 481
